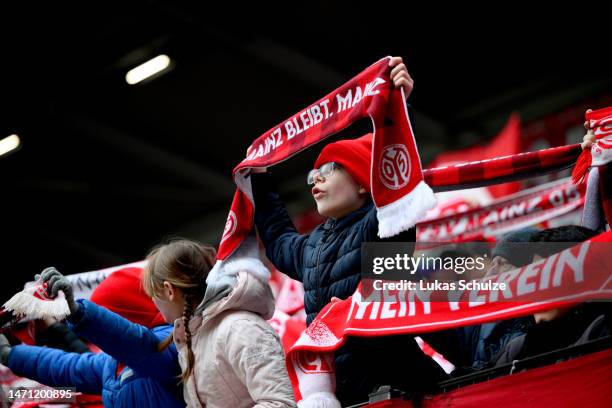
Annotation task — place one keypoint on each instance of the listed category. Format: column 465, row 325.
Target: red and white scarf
column 35, row 303
column 600, row 153
column 401, row 196
column 577, row 274
column 482, row 173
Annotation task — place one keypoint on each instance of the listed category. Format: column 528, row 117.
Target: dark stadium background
column 106, row 170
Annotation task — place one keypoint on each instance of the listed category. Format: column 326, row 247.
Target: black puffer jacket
column 328, row 260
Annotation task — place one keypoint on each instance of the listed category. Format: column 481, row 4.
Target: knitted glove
column 56, row 282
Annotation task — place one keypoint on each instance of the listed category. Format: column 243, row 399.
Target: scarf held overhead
column 396, row 181
column 487, row 172
column 600, row 153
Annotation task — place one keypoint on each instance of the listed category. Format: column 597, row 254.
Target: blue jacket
column 149, row 379
column 328, row 260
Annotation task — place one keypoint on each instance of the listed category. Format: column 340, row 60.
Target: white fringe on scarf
column 26, row 304
column 403, row 214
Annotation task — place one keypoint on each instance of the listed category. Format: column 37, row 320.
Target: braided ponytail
column 187, row 314
column 185, row 265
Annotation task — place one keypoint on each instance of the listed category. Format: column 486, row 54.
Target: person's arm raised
column 284, row 245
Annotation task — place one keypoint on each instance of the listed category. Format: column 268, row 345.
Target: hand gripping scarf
column 600, row 153
column 401, row 196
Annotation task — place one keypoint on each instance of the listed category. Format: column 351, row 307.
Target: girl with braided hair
column 229, row 355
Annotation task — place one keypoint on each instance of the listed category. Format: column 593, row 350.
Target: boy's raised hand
column 400, row 76
column 589, row 138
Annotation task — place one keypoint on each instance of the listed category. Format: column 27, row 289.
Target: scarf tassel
column 582, row 166
column 405, row 212
column 27, row 304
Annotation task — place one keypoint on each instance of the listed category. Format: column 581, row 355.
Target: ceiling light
column 147, row 69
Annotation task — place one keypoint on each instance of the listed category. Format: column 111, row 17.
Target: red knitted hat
column 122, row 293
column 354, row 155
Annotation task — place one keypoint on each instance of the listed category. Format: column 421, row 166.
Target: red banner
column 517, row 211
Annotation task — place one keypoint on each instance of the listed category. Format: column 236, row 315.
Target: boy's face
column 338, row 194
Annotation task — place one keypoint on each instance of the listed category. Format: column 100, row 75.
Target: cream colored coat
column 239, row 360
